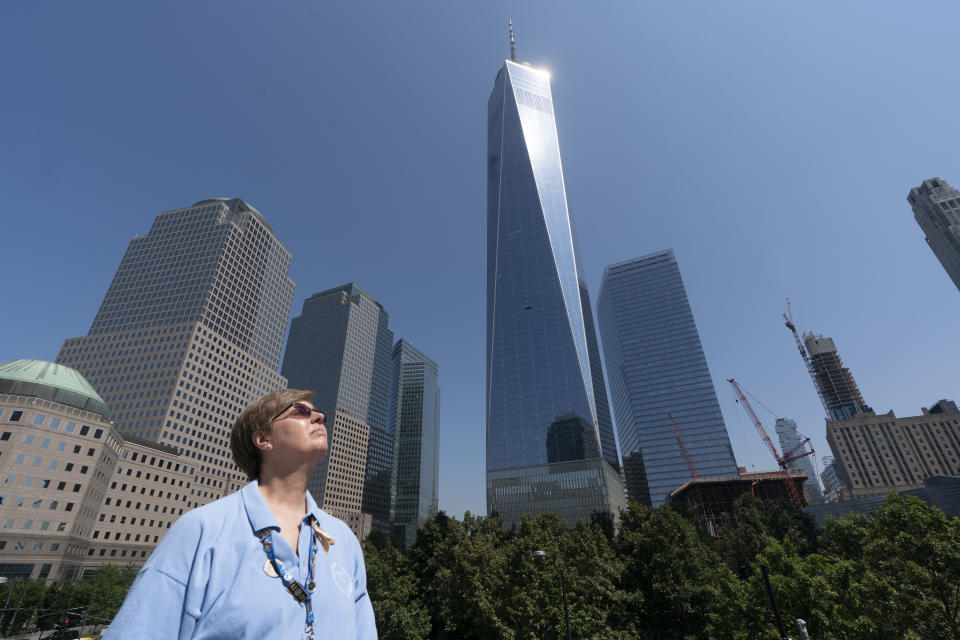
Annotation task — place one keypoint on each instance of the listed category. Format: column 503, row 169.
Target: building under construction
column 839, row 391
column 708, row 502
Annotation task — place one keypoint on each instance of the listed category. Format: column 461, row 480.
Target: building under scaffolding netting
column 708, row 502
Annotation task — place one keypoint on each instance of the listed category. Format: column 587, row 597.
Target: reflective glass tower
column 657, row 366
column 189, row 332
column 550, row 441
column 415, row 416
column 790, row 439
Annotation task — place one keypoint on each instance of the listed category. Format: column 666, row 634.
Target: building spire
column 513, row 48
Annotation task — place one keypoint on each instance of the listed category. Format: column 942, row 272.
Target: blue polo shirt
column 206, row 579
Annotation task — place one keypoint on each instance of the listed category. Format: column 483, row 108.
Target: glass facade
column 415, row 414
column 936, row 208
column 656, row 365
column 189, row 332
column 790, row 440
column 539, row 332
column 339, row 347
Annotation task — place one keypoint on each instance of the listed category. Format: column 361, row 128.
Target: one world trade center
column 550, row 439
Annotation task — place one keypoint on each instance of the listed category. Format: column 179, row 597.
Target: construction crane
column 788, row 321
column 683, row 447
column 782, row 460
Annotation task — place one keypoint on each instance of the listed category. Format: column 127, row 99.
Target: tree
column 394, row 592
column 675, row 585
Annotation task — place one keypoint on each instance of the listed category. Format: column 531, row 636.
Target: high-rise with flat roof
column 415, row 416
column 876, row 454
column 550, row 442
column 189, row 332
column 339, row 347
column 936, row 208
column 657, row 366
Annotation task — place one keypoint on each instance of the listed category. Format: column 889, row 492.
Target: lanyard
column 300, row 593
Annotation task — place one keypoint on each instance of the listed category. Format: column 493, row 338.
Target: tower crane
column 783, row 461
column 683, row 447
column 788, row 322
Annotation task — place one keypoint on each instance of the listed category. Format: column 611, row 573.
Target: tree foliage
column 654, row 576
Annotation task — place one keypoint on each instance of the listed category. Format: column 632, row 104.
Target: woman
column 264, row 562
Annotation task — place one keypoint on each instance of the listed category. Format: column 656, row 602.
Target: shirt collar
column 260, row 515
column 258, row 512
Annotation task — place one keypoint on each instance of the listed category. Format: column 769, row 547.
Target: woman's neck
column 284, row 494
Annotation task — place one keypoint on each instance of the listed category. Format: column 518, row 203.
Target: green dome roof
column 50, row 381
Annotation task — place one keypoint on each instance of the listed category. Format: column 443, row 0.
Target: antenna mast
column 513, row 47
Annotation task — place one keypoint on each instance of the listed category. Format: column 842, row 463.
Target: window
column 36, row 503
column 18, row 545
column 69, row 507
column 61, row 485
column 91, row 451
column 45, row 443
column 76, row 449
column 98, row 434
column 10, row 478
column 39, row 418
column 55, row 545
column 70, row 427
column 53, row 464
column 8, row 524
column 83, row 469
column 5, row 435
column 15, row 416
column 37, row 462
column 54, row 423
column 84, row 430
column 61, row 527
column 21, row 458
column 18, row 502
column 76, row 488
column 53, row 505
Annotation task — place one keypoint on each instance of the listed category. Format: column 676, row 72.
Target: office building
column 657, row 367
column 833, row 486
column 189, row 332
column 415, row 416
column 936, row 208
column 875, row 454
column 339, row 347
column 835, row 384
column 75, row 494
column 790, row 442
column 542, row 361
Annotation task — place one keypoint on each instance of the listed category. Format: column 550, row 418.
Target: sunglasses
column 301, row 411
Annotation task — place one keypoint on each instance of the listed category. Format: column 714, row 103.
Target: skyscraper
column 790, row 440
column 339, row 347
column 415, row 416
column 189, row 332
column 936, row 208
column 835, row 384
column 543, row 376
column 656, row 366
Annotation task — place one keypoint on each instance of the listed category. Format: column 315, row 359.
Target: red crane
column 784, row 460
column 788, row 321
column 683, row 447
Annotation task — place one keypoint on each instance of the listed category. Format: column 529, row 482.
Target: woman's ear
column 261, row 440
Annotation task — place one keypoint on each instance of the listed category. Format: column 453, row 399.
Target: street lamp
column 540, row 554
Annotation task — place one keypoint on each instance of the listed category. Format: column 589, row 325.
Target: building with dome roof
column 66, row 504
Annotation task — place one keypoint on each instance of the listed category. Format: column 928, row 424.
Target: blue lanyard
column 300, row 593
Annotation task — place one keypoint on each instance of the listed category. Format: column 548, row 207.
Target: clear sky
column 772, row 145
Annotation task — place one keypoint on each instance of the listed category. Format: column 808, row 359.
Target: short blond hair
column 258, row 417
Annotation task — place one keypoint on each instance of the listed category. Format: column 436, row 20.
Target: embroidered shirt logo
column 342, row 579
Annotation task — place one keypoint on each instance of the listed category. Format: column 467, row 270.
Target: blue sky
column 772, row 145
